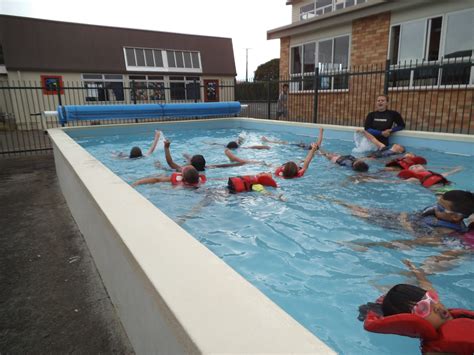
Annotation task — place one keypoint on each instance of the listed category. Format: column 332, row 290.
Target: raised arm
column 152, row 180
column 420, row 275
column 155, row 142
column 169, row 160
column 371, row 138
column 314, row 148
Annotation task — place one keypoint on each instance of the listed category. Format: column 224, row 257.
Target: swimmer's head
column 290, row 169
column 417, row 168
column 135, row 152
column 403, row 298
column 190, row 175
column 457, row 202
column 360, row 166
column 409, row 155
column 397, row 148
column 198, row 162
column 232, row 145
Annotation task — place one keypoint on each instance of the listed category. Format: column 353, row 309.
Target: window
column 421, row 57
column 147, row 87
column 185, row 88
column 103, row 87
column 149, row 59
column 330, row 56
column 321, row 7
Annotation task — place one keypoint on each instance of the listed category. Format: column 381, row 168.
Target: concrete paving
column 52, row 299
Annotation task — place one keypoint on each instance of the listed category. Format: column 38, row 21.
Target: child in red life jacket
column 418, row 313
column 428, row 178
column 408, row 159
column 188, row 176
column 291, row 170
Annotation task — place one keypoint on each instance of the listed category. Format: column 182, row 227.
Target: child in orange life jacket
column 428, row 178
column 417, row 312
column 188, row 176
column 291, row 170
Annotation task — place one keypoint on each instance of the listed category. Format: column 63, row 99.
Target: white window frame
column 102, row 80
column 166, row 68
column 305, row 15
column 441, row 54
column 293, row 87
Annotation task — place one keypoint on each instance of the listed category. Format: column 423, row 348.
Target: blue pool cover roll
column 102, row 112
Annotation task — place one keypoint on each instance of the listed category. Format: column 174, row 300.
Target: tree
column 268, row 71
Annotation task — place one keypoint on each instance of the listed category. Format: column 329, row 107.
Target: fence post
column 196, row 90
column 58, row 92
column 387, row 75
column 269, row 102
column 134, row 94
column 316, row 92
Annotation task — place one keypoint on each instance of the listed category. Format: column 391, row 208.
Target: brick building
column 419, row 52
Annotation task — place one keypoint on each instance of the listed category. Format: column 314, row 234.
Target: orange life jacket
column 279, row 172
column 244, row 183
column 427, row 178
column 406, row 162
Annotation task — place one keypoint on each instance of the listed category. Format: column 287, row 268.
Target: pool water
column 297, row 251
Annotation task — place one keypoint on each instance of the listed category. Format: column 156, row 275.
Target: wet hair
column 401, row 298
column 402, row 148
column 232, row 145
column 290, row 169
column 198, row 162
column 461, row 201
column 360, row 166
column 191, row 175
column 135, row 152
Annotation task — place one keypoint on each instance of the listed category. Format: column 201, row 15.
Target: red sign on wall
column 51, row 84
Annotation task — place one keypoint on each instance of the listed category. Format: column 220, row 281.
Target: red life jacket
column 279, row 172
column 177, row 179
column 244, row 183
column 427, row 178
column 406, row 162
column 454, row 336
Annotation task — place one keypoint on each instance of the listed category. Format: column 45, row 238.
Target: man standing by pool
column 382, row 122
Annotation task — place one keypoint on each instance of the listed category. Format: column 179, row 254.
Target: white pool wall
column 172, row 294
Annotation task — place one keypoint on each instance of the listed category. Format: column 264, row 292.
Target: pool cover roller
column 103, row 112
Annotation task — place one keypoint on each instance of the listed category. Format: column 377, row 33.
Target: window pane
column 140, row 57
column 157, row 90
column 460, row 34
column 187, row 60
column 394, row 43
column 177, row 91
column 411, row 41
column 193, row 91
column 341, row 51
column 322, row 3
column 296, row 60
column 325, row 54
column 137, row 77
column 195, row 59
column 130, row 53
column 91, row 76
column 149, row 58
column 309, row 51
column 349, row 3
column 114, row 91
column 307, row 11
column 179, row 59
column 113, row 76
column 158, row 58
column 434, row 38
column 177, row 78
column 171, row 61
column 155, row 77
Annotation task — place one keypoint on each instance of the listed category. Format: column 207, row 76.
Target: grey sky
column 245, row 21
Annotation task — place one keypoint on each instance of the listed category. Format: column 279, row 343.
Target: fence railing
column 431, row 96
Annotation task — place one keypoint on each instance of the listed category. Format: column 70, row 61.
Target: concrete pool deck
column 52, row 299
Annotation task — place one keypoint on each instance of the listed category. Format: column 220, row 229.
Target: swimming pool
column 295, row 251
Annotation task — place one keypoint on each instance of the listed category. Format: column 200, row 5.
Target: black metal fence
column 431, row 96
